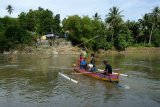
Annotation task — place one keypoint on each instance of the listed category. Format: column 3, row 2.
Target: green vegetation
column 24, row 29
column 91, row 32
column 114, row 32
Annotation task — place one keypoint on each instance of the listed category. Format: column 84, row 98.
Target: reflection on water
column 29, row 81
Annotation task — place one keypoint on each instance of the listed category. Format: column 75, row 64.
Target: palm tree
column 97, row 16
column 155, row 15
column 145, row 24
column 9, row 9
column 114, row 19
column 114, row 16
column 151, row 21
column 135, row 28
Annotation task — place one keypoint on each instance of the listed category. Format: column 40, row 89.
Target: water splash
column 127, row 87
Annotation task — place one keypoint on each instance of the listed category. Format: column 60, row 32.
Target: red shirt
column 80, row 60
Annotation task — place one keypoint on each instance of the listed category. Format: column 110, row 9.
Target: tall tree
column 156, row 15
column 97, row 16
column 134, row 27
column 31, row 20
column 73, row 25
column 149, row 23
column 9, row 8
column 114, row 20
column 114, row 17
column 145, row 25
column 22, row 20
column 154, row 21
column 56, row 26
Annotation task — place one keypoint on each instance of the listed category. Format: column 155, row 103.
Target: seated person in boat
column 108, row 68
column 91, row 64
column 83, row 64
column 80, row 59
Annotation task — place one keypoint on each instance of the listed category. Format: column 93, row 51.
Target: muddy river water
column 30, row 81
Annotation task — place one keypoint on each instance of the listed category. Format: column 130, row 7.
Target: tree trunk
column 150, row 36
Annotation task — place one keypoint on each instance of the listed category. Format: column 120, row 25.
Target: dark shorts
column 106, row 73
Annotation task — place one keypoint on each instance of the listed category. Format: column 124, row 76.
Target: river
column 30, row 81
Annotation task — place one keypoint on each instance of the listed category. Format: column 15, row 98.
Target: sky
column 131, row 9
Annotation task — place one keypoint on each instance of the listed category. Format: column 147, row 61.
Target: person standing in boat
column 85, row 53
column 92, row 66
column 108, row 68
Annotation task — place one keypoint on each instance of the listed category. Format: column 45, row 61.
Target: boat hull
column 110, row 77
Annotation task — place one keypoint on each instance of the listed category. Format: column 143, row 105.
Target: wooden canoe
column 110, row 77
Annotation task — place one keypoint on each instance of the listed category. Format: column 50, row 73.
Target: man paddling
column 108, row 68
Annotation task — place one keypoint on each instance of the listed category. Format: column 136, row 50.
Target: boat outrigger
column 110, row 77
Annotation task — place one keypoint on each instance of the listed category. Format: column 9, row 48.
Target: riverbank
column 44, row 49
column 134, row 50
column 61, row 46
